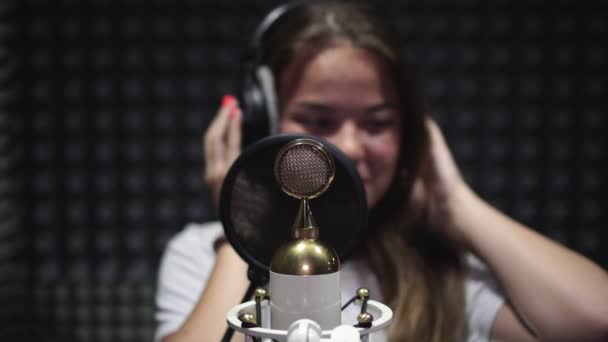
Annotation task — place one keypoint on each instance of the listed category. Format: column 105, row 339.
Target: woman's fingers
column 442, row 169
column 221, row 143
column 216, row 133
column 233, row 147
column 212, row 144
column 439, row 149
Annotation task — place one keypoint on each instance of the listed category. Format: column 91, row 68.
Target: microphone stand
column 257, row 278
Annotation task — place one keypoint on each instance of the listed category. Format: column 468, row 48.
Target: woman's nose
column 349, row 140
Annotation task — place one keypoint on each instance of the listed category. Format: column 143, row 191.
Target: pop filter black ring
column 277, row 141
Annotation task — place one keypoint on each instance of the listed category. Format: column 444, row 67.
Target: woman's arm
column 559, row 294
column 508, row 326
column 225, row 287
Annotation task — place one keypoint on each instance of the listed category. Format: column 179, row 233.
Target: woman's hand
column 442, row 186
column 222, row 144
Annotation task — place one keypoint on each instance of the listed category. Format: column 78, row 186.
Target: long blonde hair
column 420, row 274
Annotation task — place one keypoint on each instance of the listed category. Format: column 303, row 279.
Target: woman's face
column 345, row 95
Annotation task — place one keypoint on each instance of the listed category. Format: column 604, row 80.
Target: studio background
column 103, row 105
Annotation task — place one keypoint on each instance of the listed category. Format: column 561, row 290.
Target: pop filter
column 257, row 215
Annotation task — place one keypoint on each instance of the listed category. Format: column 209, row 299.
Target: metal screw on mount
column 363, row 294
column 260, row 294
column 364, row 318
column 248, row 320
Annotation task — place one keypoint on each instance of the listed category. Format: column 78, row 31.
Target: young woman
column 433, row 242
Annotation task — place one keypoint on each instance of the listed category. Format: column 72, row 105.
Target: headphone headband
column 264, row 26
column 256, row 45
column 261, row 115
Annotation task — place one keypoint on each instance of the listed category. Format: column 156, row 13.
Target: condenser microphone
column 304, row 272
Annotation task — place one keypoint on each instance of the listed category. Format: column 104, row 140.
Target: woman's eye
column 314, row 122
column 377, row 125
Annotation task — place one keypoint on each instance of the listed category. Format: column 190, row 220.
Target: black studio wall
column 106, row 102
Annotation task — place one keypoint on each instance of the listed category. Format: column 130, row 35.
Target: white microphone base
column 383, row 316
column 314, row 297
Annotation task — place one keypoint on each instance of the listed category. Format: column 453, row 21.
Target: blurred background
column 103, row 105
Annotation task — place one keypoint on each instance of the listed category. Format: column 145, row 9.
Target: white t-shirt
column 189, row 259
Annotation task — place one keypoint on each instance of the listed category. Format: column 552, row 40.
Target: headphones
column 261, row 114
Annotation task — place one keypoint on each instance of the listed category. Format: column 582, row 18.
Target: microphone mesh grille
column 304, row 170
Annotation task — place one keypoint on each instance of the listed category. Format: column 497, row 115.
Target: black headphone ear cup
column 255, row 119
